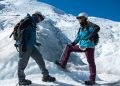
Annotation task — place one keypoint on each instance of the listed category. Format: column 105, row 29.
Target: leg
column 92, row 67
column 65, row 56
column 39, row 60
column 23, row 61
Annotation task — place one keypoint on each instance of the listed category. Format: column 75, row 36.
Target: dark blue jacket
column 29, row 31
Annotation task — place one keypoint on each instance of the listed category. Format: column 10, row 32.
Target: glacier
column 54, row 33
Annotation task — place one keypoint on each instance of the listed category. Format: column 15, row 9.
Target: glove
column 38, row 44
column 23, row 47
column 71, row 44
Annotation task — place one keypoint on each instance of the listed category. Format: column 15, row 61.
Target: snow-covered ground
column 54, row 33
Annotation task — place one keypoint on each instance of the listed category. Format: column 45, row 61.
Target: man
column 86, row 44
column 27, row 48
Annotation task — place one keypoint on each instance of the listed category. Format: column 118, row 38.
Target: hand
column 38, row 44
column 23, row 47
column 71, row 44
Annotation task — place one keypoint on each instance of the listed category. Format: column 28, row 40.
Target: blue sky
column 109, row 9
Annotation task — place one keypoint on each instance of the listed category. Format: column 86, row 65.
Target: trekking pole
column 10, row 15
column 11, row 35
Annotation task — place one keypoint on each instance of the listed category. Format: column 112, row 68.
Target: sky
column 109, row 9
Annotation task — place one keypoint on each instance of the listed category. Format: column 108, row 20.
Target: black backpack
column 17, row 32
column 95, row 38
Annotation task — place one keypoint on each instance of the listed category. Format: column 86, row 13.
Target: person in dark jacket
column 27, row 48
column 86, row 44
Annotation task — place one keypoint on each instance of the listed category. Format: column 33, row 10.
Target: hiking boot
column 58, row 63
column 48, row 79
column 25, row 82
column 89, row 82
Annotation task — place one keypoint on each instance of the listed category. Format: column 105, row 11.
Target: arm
column 25, row 24
column 76, row 40
column 95, row 31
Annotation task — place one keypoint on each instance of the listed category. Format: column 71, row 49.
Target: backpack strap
column 11, row 35
column 78, row 31
column 87, row 27
column 96, row 29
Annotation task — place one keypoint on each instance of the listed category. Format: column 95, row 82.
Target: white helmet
column 82, row 14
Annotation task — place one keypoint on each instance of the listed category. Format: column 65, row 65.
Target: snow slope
column 54, row 33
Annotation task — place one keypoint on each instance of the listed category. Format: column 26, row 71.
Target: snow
column 54, row 33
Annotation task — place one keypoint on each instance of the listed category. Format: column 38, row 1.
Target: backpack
column 95, row 38
column 17, row 32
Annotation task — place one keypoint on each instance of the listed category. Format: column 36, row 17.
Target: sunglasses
column 81, row 17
